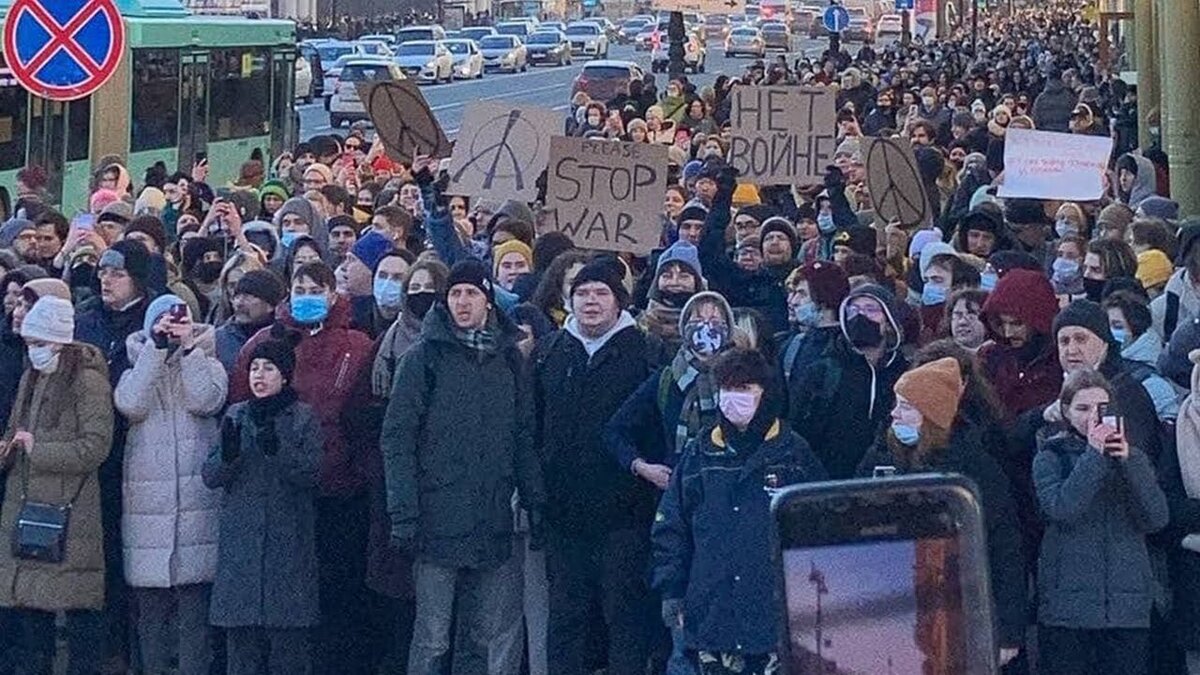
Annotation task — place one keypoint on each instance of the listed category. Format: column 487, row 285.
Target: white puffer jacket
column 170, row 520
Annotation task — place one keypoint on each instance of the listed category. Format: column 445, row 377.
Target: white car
column 415, row 33
column 889, row 25
column 477, row 33
column 425, row 61
column 468, row 62
column 304, row 80
column 345, row 104
column 389, row 40
column 374, row 48
column 504, row 52
column 588, row 39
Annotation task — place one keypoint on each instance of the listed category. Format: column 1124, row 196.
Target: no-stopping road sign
column 63, row 49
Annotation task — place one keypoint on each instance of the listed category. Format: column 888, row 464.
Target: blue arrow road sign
column 836, row 18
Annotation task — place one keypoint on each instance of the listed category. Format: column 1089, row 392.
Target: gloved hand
column 834, row 179
column 231, row 440
column 537, row 530
column 672, row 612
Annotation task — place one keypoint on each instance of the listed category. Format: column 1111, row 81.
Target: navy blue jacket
column 642, row 428
column 712, row 537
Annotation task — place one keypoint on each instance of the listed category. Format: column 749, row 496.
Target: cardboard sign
column 403, row 120
column 894, row 182
column 607, row 195
column 501, row 151
column 782, row 135
column 701, row 6
column 1051, row 165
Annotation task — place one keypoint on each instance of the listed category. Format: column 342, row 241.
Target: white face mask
column 43, row 358
column 738, row 407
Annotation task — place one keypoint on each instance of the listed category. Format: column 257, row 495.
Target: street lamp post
column 676, row 33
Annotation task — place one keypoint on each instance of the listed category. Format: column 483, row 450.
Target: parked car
column 745, row 40
column 587, row 39
column 552, row 25
column 522, row 29
column 630, row 28
column 416, row 33
column 776, row 35
column 425, row 61
column 694, row 55
column 477, row 33
column 373, row 48
column 548, row 48
column 503, row 52
column 328, row 53
column 304, row 80
column 716, row 27
column 468, row 62
column 345, row 104
column 389, row 40
column 802, row 20
column 890, row 25
column 859, row 29
column 646, row 38
column 603, row 80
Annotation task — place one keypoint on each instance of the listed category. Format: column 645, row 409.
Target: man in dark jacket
column 457, row 439
column 1052, row 108
column 597, row 513
column 1020, row 362
column 254, row 299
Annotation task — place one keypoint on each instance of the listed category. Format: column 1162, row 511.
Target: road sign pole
column 676, row 34
column 905, row 27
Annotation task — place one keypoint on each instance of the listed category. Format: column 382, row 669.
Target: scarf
column 477, row 339
column 263, row 412
column 695, row 381
column 401, row 335
column 662, row 321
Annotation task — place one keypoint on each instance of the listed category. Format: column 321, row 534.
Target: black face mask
column 863, row 332
column 207, row 272
column 675, row 299
column 1094, row 289
column 83, row 276
column 419, row 304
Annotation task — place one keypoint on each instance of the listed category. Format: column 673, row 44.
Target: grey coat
column 1094, row 569
column 267, row 560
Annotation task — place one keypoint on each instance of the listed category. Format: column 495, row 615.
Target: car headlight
column 431, row 65
column 508, row 58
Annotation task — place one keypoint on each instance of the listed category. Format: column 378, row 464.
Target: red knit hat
column 827, row 283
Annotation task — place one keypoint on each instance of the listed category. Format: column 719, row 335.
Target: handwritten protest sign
column 782, row 135
column 701, row 6
column 894, row 182
column 1050, row 165
column 607, row 195
column 501, row 151
column 403, row 120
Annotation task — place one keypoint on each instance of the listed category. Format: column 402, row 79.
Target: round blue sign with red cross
column 63, row 49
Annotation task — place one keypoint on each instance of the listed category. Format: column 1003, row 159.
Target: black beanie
column 858, row 238
column 193, row 251
column 778, row 224
column 279, row 352
column 262, row 284
column 606, row 270
column 132, row 257
column 1085, row 314
column 473, row 272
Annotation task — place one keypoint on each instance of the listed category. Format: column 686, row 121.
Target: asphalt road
column 544, row 86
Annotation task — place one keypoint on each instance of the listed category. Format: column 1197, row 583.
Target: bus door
column 193, row 108
column 284, row 122
column 59, row 142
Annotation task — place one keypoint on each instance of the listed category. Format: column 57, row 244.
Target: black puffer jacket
column 457, row 439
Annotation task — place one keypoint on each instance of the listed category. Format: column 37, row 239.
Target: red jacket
column 1027, row 377
column 328, row 366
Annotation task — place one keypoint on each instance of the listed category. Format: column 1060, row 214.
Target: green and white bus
column 188, row 84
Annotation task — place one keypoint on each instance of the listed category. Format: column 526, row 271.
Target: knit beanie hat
column 932, row 251
column 152, row 200
column 921, row 239
column 606, row 270
column 827, row 283
column 746, row 194
column 150, row 226
column 473, row 272
column 1024, row 212
column 1085, row 314
column 275, row 188
column 371, row 248
column 319, row 168
column 691, row 170
column 159, row 306
column 693, row 210
column 42, row 288
column 195, row 248
column 511, row 246
column 779, row 224
column 262, row 284
column 130, row 256
column 1153, row 268
column 683, row 252
column 1115, row 215
column 1155, row 206
column 858, row 238
column 51, row 319
column 12, row 228
column 934, row 389
column 278, row 352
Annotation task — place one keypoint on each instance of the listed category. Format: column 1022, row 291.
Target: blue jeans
column 679, row 663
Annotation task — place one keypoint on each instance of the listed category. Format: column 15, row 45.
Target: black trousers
column 35, row 642
column 609, row 570
column 342, row 643
column 1113, row 651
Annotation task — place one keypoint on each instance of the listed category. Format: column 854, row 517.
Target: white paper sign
column 1050, row 165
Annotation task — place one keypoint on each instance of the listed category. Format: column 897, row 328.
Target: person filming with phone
column 1100, row 498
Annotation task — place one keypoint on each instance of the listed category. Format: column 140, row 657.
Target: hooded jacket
column 328, row 364
column 169, row 518
column 317, row 228
column 840, row 401
column 1030, row 376
column 1145, row 182
column 1052, row 108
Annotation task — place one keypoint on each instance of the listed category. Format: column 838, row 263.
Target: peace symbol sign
column 485, row 154
column 895, row 182
column 404, row 121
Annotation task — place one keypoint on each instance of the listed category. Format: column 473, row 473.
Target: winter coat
column 267, row 561
column 12, row 364
column 575, row 396
column 1028, row 377
column 1052, row 108
column 1141, row 359
column 966, row 455
column 712, row 537
column 1186, row 294
column 69, row 412
column 457, row 439
column 169, row 518
column 1145, row 182
column 327, row 366
column 229, row 338
column 1094, row 570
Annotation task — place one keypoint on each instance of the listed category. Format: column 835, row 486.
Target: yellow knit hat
column 511, row 246
column 1154, row 268
column 746, row 194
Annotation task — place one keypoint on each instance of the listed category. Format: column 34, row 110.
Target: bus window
column 155, row 100
column 79, row 129
column 14, row 110
column 240, row 94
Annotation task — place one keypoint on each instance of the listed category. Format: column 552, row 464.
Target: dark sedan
column 776, row 36
column 548, row 47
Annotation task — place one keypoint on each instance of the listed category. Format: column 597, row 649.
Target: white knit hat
column 51, row 319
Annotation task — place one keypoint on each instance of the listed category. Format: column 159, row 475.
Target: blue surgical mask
column 388, row 293
column 825, row 223
column 289, row 238
column 309, row 309
column 1065, row 271
column 987, row 281
column 807, row 314
column 933, row 295
column 1065, row 228
column 1121, row 335
column 906, row 434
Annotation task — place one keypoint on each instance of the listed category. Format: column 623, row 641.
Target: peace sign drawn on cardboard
column 894, row 182
column 403, row 120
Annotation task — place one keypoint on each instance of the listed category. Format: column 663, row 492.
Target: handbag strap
column 25, row 485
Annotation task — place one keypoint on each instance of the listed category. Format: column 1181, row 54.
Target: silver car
column 745, row 40
column 504, row 52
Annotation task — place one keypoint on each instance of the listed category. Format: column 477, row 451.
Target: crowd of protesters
column 327, row 418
